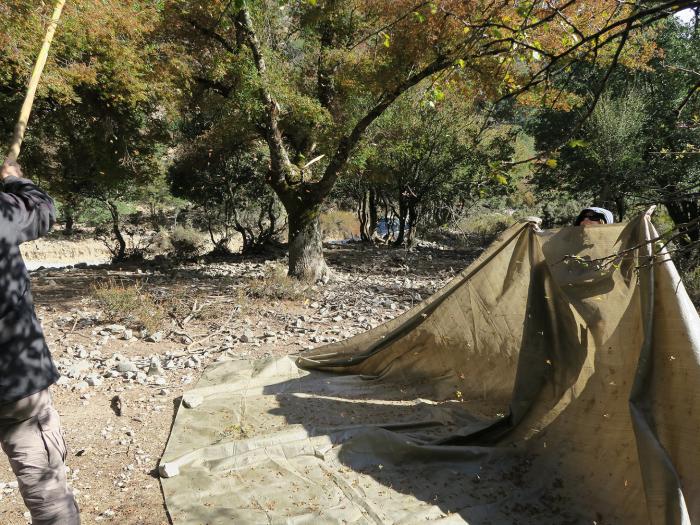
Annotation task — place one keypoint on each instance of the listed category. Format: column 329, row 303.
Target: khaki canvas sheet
column 541, row 385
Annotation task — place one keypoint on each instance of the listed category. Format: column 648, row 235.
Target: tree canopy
column 310, row 77
column 297, row 87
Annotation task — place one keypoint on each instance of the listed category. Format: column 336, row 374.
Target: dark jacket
column 26, row 366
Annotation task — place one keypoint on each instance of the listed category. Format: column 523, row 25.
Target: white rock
column 94, row 380
column 79, row 369
column 168, row 470
column 155, row 368
column 80, row 386
column 126, row 366
column 115, row 328
column 192, row 400
column 156, row 337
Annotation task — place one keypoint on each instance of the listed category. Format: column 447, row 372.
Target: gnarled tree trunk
column 403, row 217
column 306, row 244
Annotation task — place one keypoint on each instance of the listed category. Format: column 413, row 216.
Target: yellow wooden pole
column 21, row 125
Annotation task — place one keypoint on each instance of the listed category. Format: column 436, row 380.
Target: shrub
column 129, row 304
column 485, row 226
column 337, row 224
column 276, row 284
column 161, row 242
column 186, row 242
column 560, row 212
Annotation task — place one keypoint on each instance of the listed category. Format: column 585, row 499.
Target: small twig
column 221, row 329
column 668, row 237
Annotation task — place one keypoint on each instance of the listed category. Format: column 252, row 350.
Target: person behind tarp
column 30, row 429
column 594, row 215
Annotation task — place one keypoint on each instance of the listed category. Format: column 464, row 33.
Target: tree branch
column 282, row 169
column 348, row 142
column 213, row 35
column 643, row 16
column 213, row 85
column 687, row 98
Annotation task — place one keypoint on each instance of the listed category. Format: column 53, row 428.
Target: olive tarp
column 541, row 385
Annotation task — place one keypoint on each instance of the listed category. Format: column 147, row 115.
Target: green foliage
column 226, row 182
column 559, row 209
column 640, row 143
column 308, row 78
column 603, row 165
column 431, row 160
column 99, row 121
column 95, row 213
column 691, row 280
column 485, row 225
column 133, row 86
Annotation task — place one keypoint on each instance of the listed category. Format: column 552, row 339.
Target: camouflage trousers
column 30, row 435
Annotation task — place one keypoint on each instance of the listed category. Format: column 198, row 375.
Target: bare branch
column 687, row 98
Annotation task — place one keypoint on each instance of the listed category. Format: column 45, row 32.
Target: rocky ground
column 121, row 385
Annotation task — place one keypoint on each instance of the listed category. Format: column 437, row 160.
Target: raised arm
column 26, row 212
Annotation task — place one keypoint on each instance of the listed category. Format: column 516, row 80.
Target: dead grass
column 128, row 304
column 337, row 224
column 484, row 227
column 277, row 285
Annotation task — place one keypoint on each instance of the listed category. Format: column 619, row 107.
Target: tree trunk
column 69, row 222
column 411, row 222
column 441, row 215
column 683, row 212
column 114, row 212
column 306, row 260
column 373, row 216
column 605, row 197
column 365, row 234
column 403, row 214
column 621, row 206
